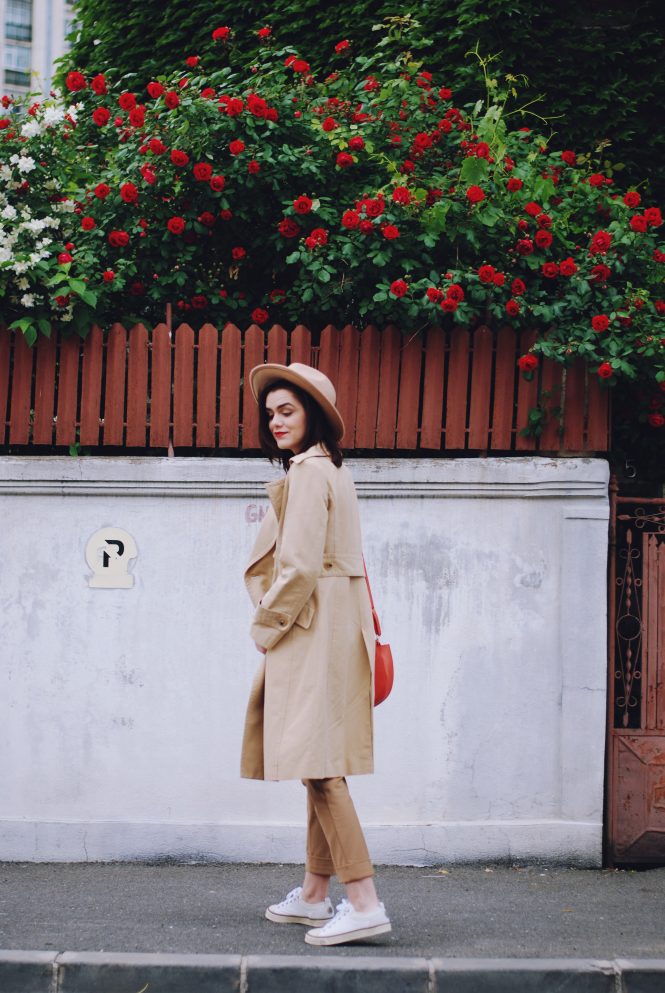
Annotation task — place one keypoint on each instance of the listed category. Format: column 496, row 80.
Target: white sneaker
column 294, row 910
column 350, row 925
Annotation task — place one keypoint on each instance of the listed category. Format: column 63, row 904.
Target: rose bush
column 274, row 196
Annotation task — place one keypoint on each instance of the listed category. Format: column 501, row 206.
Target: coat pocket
column 304, row 618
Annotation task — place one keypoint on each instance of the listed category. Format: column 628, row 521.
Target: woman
column 310, row 710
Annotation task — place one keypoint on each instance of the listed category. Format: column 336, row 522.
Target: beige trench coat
column 310, row 709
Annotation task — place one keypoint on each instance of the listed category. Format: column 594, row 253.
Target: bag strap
column 375, row 616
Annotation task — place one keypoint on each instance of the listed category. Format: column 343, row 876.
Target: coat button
column 328, row 565
column 282, row 623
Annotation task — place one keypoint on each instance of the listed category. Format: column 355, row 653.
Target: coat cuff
column 269, row 626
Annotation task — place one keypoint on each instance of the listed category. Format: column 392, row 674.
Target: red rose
column 568, row 267
column 543, row 238
column 299, row 65
column 474, row 194
column 129, row 193
column 207, row 93
column 350, row 219
column 102, row 191
column 171, row 100
column 600, row 242
column 88, row 223
column 344, row 160
column 373, row 208
column 156, row 146
column 253, row 167
column 277, row 296
column 202, row 171
column 653, row 217
column 550, row 270
column 356, row 144
column 302, row 205
column 390, row 232
column 118, row 239
column 176, row 225
column 64, row 258
column 263, row 33
column 524, row 246
column 399, row 288
column 238, row 253
column 569, row 157
column 638, row 223
column 518, row 288
column 659, row 307
column 101, row 116
column 137, row 289
column 533, row 209
column 486, row 273
column 98, row 84
column 232, row 106
column 217, row 183
column 199, row 301
column 632, row 199
column 256, row 105
column 155, row 90
column 342, row 46
column 319, row 236
column 148, row 174
column 597, row 179
column 600, row 322
column 288, row 228
column 75, row 81
column 108, row 276
column 528, row 363
column 434, row 295
column 179, row 158
column 236, row 147
column 455, row 293
column 259, row 315
column 499, row 279
column 512, row 308
column 137, row 117
column 656, row 420
column 401, row 194
column 449, row 305
column 329, row 124
column 207, row 219
column 544, row 221
column 601, row 273
column 127, row 101
column 221, row 34
column 605, row 370
column 514, row 184
column 445, row 93
column 366, row 227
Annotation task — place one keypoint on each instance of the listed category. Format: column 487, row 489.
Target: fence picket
column 301, row 345
column 42, row 427
column 527, row 397
column 368, row 388
column 573, row 416
column 277, row 344
column 391, row 341
column 550, row 383
column 91, row 386
column 457, row 389
column 206, row 387
column 137, row 387
column 160, row 387
column 19, row 414
column 481, row 383
column 114, row 397
column 409, row 392
column 254, row 352
column 229, row 387
column 504, row 390
column 68, row 374
column 5, row 340
column 598, row 399
column 183, row 387
column 347, row 381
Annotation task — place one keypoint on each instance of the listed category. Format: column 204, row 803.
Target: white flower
column 43, row 242
column 24, row 163
column 35, row 225
column 23, row 283
column 5, row 173
column 53, row 115
column 28, row 300
column 9, row 213
column 5, row 254
column 20, row 267
column 31, row 128
column 73, row 109
column 65, row 317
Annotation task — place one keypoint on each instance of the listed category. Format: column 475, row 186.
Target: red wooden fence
column 432, row 391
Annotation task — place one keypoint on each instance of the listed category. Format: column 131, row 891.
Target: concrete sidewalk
column 200, row 927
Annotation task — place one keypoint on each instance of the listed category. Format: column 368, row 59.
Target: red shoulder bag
column 384, row 670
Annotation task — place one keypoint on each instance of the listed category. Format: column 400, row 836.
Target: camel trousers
column 335, row 840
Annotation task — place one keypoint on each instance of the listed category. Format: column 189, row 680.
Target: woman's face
column 287, row 419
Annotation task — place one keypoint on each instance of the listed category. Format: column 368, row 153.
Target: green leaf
column 474, row 170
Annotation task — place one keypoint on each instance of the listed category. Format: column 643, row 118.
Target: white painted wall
column 121, row 710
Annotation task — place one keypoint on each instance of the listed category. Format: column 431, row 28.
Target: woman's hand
column 259, row 648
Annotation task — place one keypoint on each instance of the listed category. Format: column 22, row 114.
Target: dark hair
column 318, row 429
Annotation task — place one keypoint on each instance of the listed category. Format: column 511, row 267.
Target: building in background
column 32, row 37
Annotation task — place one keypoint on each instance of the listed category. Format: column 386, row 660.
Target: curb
column 104, row 972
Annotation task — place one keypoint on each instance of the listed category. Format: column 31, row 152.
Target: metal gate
column 635, row 818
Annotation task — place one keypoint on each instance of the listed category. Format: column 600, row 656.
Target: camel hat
column 308, row 379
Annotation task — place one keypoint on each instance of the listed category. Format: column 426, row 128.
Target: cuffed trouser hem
column 335, row 840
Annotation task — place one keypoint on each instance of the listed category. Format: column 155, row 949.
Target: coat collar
column 316, row 451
